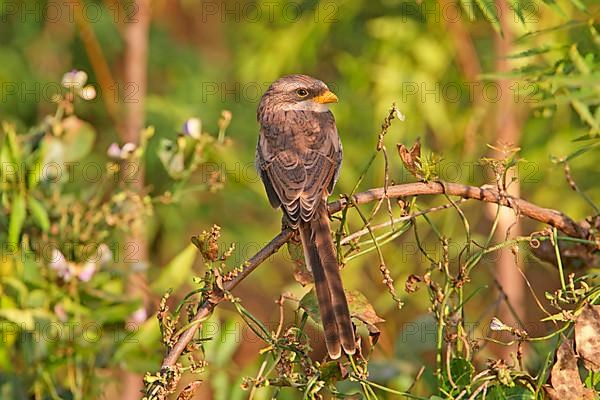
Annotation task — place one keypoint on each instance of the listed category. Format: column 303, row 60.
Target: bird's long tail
column 321, row 259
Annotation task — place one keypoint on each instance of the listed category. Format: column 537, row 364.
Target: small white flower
column 74, row 79
column 123, row 153
column 58, row 262
column 104, row 254
column 114, row 151
column 497, row 325
column 88, row 92
column 139, row 316
column 87, row 271
column 127, row 149
column 193, row 127
column 399, row 115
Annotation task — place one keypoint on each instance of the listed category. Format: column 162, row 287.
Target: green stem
column 559, row 260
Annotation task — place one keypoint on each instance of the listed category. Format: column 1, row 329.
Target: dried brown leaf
column 361, row 309
column 301, row 273
column 587, row 337
column 189, row 391
column 565, row 379
column 410, row 157
column 207, row 243
column 411, row 283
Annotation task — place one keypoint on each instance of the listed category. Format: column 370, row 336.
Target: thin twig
column 416, row 380
column 365, row 231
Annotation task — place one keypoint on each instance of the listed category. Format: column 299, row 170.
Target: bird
column 298, row 156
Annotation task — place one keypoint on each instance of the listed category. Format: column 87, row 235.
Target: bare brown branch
column 489, row 195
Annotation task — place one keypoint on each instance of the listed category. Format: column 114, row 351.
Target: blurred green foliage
column 205, row 57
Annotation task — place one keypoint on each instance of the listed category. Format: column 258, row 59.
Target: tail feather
column 333, row 306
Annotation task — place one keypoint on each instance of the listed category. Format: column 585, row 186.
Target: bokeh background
column 160, row 63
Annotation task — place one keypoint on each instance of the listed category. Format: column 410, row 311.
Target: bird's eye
column 302, row 92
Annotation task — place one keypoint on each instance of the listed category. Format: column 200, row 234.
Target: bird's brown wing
column 299, row 157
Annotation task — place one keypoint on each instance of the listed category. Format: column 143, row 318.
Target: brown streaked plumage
column 299, row 155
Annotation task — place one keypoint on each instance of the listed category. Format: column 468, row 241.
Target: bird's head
column 297, row 93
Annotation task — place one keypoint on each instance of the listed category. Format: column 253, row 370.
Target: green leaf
column 500, row 392
column 518, row 9
column 73, row 307
column 227, row 343
column 580, row 96
column 582, row 81
column 13, row 146
column 580, row 6
column 32, row 271
column 6, row 363
column 586, row 137
column 37, row 298
column 17, row 218
column 77, row 139
column 552, row 4
column 535, row 51
column 13, row 287
column 467, row 5
column 592, row 380
column 488, row 8
column 34, row 175
column 177, row 271
column 111, row 313
column 6, row 161
column 39, row 213
column 461, row 371
column 24, row 319
column 360, row 309
column 9, row 161
column 330, row 372
column 310, row 305
column 566, row 26
column 578, row 60
column 585, row 114
column 134, row 346
column 556, row 317
column 529, row 71
column 220, row 382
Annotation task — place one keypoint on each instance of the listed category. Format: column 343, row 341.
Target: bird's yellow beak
column 327, row 97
